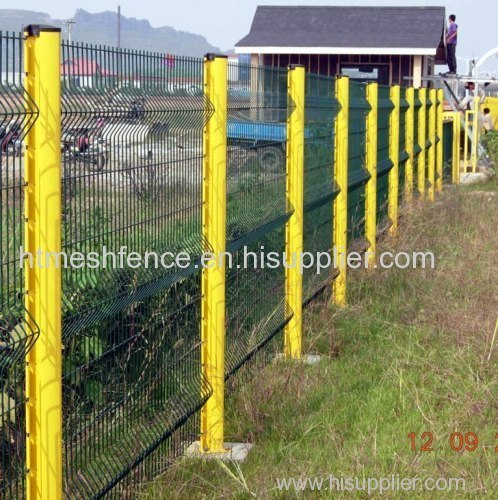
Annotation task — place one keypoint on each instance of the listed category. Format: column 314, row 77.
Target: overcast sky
column 224, row 22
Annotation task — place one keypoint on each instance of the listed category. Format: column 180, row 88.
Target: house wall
column 398, row 68
column 418, row 64
column 79, row 81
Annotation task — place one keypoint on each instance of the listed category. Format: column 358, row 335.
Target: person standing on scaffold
column 451, row 43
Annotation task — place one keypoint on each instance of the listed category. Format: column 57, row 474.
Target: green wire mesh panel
column 17, row 115
column 384, row 163
column 319, row 185
column 447, row 150
column 256, row 309
column 403, row 155
column 357, row 173
column 417, row 148
column 132, row 172
column 256, row 209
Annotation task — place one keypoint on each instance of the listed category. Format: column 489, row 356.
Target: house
column 386, row 44
column 82, row 72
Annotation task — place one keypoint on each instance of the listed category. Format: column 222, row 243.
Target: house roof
column 82, row 67
column 345, row 30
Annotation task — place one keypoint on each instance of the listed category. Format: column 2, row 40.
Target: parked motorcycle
column 10, row 139
column 79, row 146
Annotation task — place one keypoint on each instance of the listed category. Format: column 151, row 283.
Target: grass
column 413, row 352
column 488, row 186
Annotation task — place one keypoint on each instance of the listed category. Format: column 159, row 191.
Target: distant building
column 11, row 78
column 86, row 73
column 82, row 72
column 384, row 44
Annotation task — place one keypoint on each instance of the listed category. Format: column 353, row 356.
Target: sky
column 224, row 22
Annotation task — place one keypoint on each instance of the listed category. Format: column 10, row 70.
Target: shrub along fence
column 107, row 374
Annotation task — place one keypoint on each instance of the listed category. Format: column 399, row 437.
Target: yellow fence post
column 371, row 164
column 410, row 142
column 295, row 199
column 422, row 141
column 456, row 122
column 440, row 144
column 341, row 161
column 457, row 126
column 466, row 159
column 471, row 137
column 43, row 280
column 431, row 153
column 395, row 96
column 475, row 135
column 214, row 235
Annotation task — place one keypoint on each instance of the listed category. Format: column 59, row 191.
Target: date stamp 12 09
column 457, row 441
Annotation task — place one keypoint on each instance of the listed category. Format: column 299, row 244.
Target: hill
column 101, row 28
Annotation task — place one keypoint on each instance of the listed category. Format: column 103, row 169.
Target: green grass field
column 415, row 351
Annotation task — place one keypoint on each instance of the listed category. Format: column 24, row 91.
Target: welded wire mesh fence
column 256, row 208
column 447, row 150
column 358, row 175
column 17, row 114
column 132, row 171
column 133, row 156
column 319, row 186
column 384, row 162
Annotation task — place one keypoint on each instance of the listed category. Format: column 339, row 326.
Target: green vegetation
column 415, row 351
column 490, row 142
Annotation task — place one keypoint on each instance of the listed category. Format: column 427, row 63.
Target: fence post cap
column 36, row 29
column 211, row 56
column 294, row 66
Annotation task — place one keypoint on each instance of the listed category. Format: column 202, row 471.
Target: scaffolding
column 470, row 118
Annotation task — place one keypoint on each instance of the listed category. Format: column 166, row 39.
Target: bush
column 490, row 142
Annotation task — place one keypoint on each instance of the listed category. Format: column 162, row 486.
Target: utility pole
column 119, row 26
column 69, row 24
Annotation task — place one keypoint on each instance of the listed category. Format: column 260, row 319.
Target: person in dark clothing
column 83, row 143
column 451, row 43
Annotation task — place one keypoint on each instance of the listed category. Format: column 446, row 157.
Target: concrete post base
column 235, row 452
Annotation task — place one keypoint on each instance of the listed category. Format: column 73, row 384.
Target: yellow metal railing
column 471, row 137
column 455, row 117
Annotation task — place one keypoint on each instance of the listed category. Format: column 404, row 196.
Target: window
column 367, row 72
